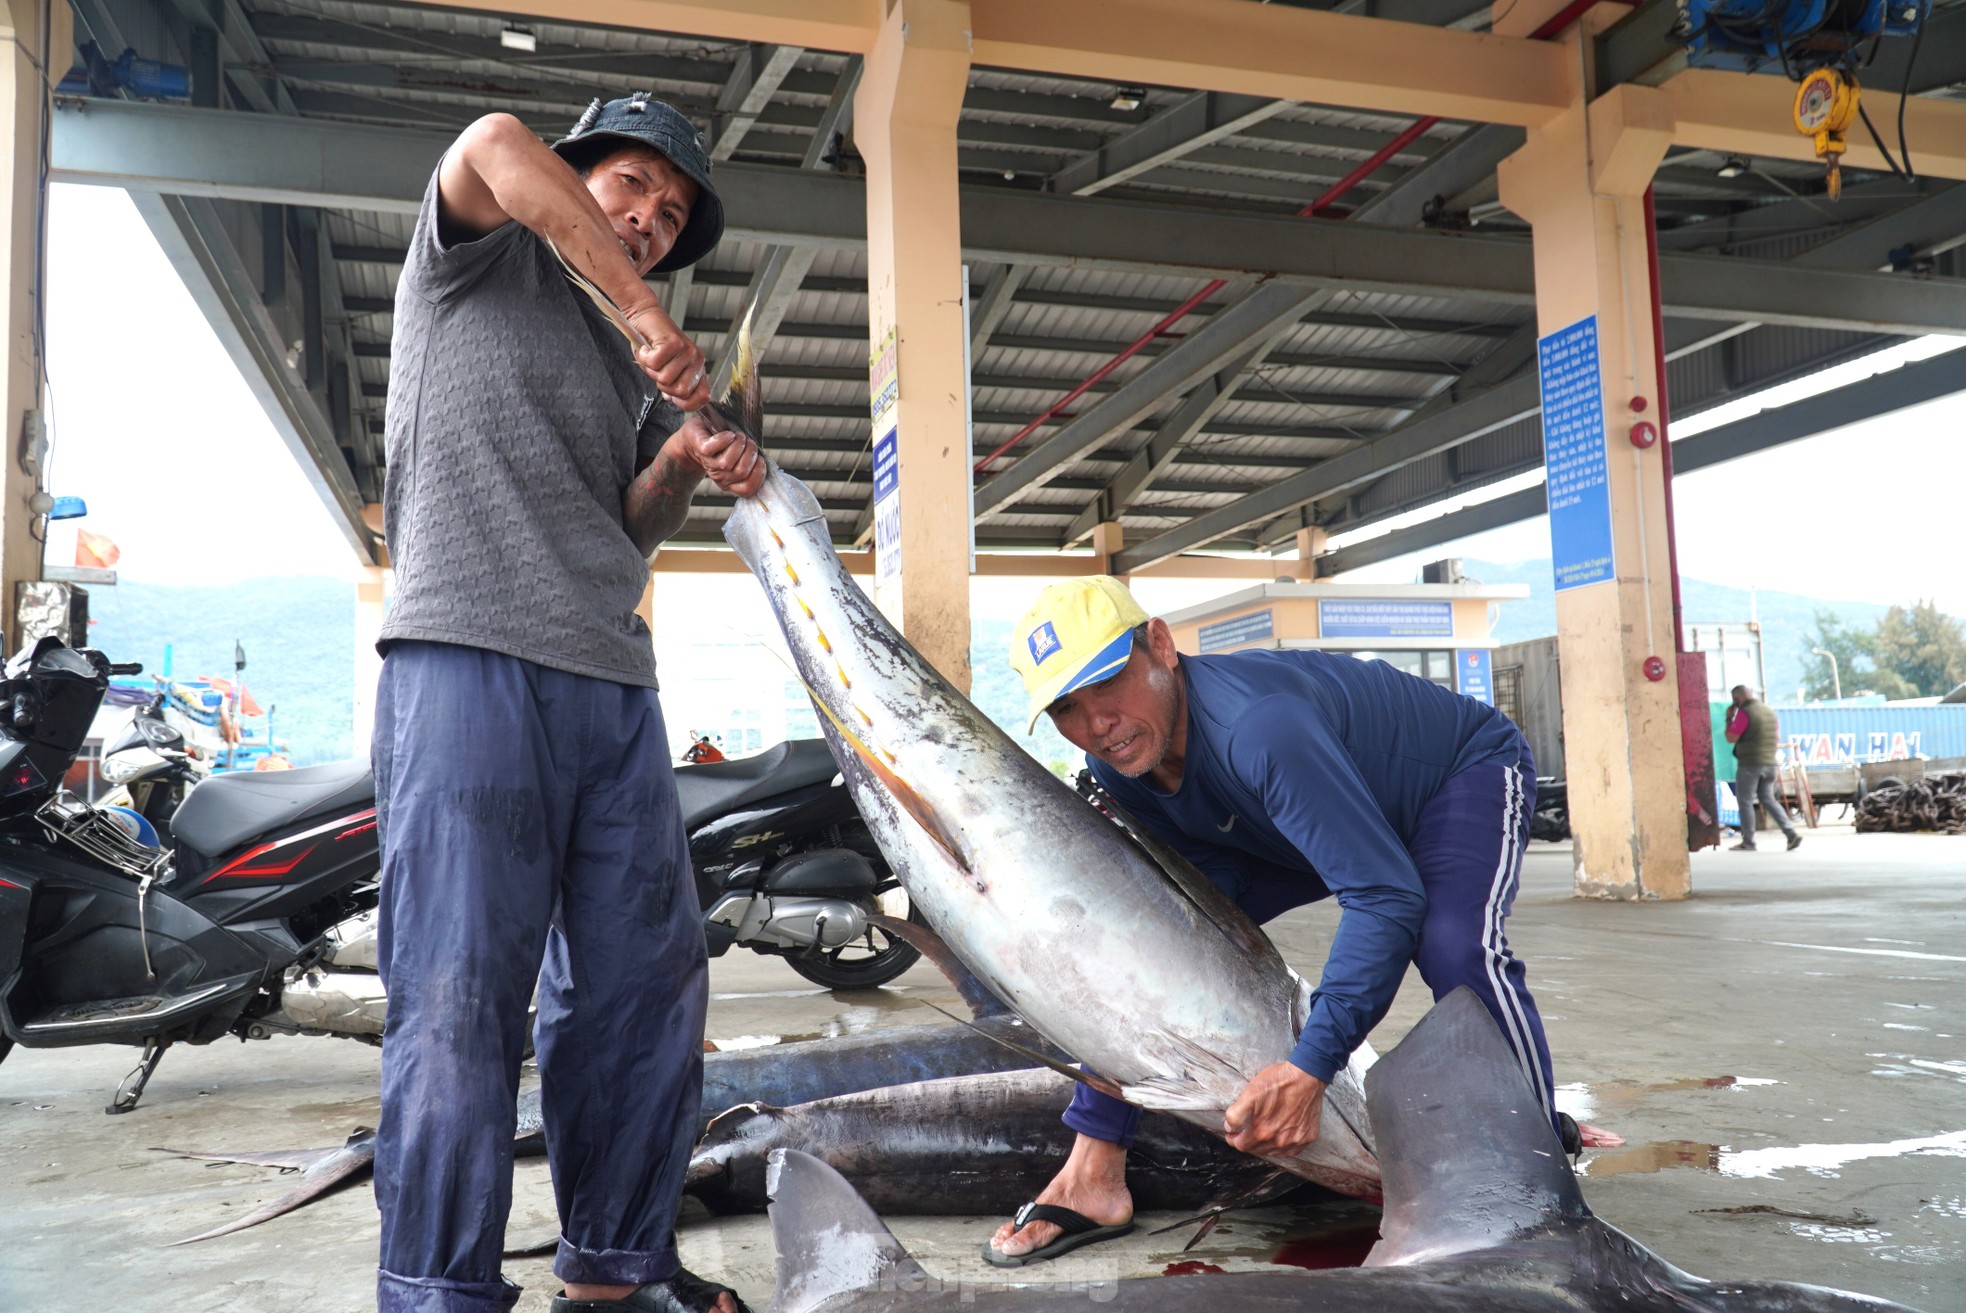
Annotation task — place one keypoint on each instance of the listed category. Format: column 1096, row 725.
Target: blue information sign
column 1579, row 486
column 1471, row 675
column 887, row 465
column 1252, row 628
column 1345, row 618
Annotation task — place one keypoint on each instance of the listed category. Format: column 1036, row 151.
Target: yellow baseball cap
column 1078, row 632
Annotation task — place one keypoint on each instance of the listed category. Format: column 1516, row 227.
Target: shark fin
column 982, row 1003
column 1457, row 1120
column 829, row 1242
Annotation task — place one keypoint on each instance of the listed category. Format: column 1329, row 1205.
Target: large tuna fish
column 1113, row 947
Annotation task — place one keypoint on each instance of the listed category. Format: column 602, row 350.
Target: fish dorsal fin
column 982, row 1003
column 1209, row 900
column 829, row 1241
column 1468, row 1158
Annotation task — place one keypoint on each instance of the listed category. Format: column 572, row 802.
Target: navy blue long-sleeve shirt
column 1312, row 768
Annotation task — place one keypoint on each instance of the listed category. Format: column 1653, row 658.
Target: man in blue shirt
column 1286, row 777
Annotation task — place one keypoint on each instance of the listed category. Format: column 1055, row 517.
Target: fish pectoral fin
column 910, row 799
column 829, row 1241
column 287, row 1160
column 982, row 1003
column 1172, row 1094
column 1096, row 1081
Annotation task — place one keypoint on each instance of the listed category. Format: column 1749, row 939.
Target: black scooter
column 257, row 918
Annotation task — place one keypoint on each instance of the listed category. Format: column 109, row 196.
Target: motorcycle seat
column 225, row 811
column 717, row 787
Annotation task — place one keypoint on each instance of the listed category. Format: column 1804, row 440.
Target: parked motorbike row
column 245, row 903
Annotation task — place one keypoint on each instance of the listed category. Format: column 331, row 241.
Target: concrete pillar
column 1580, row 182
column 31, row 44
column 904, row 121
column 1312, row 542
column 1108, row 539
column 369, row 591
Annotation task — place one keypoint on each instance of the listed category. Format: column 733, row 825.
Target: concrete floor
column 1785, row 1052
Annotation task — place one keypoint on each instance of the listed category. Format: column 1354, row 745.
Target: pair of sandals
column 1076, row 1230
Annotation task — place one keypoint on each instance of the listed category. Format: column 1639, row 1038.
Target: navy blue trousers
column 1468, row 848
column 530, row 832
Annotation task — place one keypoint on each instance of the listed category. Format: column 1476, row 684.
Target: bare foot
column 1092, row 1181
column 1596, row 1137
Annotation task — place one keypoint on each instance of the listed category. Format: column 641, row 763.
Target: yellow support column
column 1312, row 542
column 905, row 126
column 32, row 44
column 1580, row 182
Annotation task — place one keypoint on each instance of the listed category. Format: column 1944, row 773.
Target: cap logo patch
column 1043, row 642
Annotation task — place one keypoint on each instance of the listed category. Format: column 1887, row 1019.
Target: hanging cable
column 1904, row 88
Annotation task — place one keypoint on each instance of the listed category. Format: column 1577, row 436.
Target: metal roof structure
column 1351, row 366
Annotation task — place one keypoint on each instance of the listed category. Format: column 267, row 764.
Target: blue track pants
column 1468, row 848
column 529, row 816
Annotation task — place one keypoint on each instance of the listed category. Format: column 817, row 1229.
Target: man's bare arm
column 657, row 502
column 498, row 172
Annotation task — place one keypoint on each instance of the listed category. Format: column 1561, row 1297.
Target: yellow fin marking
column 860, row 712
column 823, row 640
column 792, row 574
column 844, row 681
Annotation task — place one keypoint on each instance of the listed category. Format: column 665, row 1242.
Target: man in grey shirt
column 527, row 806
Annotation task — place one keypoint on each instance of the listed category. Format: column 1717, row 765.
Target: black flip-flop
column 1077, row 1228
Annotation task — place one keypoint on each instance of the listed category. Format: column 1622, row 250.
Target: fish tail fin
column 829, row 1241
column 982, row 1003
column 743, row 400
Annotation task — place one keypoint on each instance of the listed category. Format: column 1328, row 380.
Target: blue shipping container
column 1843, row 736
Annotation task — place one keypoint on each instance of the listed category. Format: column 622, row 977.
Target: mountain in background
column 1788, row 620
column 299, row 636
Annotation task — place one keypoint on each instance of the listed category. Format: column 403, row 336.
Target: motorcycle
column 151, row 768
column 257, row 917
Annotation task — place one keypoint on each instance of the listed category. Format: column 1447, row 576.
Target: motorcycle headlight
column 122, row 767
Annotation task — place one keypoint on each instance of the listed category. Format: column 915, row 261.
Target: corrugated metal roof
column 1359, row 366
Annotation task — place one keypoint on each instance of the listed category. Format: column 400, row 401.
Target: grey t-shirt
column 517, row 418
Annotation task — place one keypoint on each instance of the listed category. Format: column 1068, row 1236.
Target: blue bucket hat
column 649, row 122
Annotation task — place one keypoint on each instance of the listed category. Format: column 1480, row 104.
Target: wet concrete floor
column 1785, row 1053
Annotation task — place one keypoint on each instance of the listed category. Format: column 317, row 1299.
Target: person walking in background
column 1754, row 730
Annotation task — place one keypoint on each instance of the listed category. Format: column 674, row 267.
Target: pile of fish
column 1916, row 805
column 1482, row 1215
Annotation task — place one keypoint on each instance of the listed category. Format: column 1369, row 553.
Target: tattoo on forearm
column 657, row 502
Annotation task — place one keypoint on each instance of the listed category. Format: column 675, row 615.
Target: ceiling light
column 1128, row 99
column 515, row 37
column 1732, row 167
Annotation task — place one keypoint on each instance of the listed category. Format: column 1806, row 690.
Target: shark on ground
column 1482, row 1215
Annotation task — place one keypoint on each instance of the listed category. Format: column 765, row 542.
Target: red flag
column 95, row 550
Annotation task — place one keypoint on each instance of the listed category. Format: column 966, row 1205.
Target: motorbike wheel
column 867, row 962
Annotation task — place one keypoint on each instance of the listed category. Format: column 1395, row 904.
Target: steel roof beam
column 754, row 78
column 1179, row 130
column 783, row 268
column 196, row 240
column 1880, row 394
column 265, row 157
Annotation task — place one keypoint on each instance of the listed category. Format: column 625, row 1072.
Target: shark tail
column 322, row 1172
column 829, row 1242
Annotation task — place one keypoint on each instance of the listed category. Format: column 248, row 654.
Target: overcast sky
column 156, row 429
